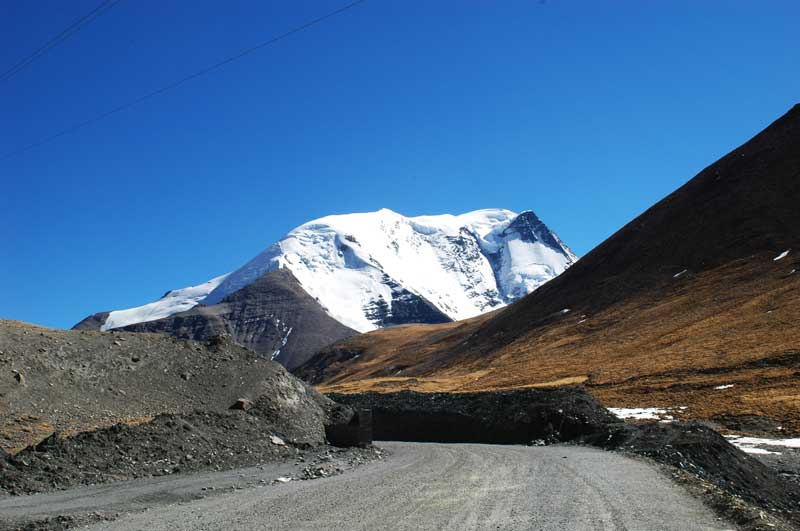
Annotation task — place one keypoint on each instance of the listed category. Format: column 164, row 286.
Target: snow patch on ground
column 752, row 445
column 680, row 273
column 646, row 413
column 727, row 386
column 177, row 300
column 639, row 413
column 781, row 256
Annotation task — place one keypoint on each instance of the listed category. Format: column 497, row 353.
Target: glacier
column 463, row 265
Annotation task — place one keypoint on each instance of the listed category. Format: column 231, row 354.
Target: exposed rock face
column 93, row 322
column 273, row 316
column 405, row 308
column 507, row 417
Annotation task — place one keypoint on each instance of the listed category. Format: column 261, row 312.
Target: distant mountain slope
column 361, row 271
column 702, row 289
column 273, row 316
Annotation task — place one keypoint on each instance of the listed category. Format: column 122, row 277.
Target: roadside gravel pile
column 167, row 445
column 278, row 425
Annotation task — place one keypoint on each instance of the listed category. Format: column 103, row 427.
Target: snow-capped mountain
column 362, row 268
column 361, row 272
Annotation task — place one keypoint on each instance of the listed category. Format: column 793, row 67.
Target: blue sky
column 585, row 112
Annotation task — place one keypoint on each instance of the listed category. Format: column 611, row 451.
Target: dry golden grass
column 736, row 324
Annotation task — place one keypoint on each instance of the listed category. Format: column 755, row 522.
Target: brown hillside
column 684, row 298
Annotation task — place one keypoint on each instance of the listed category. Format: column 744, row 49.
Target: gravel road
column 420, row 486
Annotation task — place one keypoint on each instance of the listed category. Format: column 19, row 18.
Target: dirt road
column 420, row 486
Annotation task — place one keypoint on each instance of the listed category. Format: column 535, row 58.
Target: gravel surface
column 80, row 506
column 420, row 486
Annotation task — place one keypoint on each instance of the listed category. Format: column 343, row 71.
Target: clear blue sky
column 586, row 112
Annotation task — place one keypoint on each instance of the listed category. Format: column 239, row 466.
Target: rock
column 351, row 429
column 135, row 359
column 242, row 404
column 19, row 377
column 274, row 439
column 185, row 375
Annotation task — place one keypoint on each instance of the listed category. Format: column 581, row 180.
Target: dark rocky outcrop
column 93, row 322
column 506, row 417
column 350, row 427
column 405, row 308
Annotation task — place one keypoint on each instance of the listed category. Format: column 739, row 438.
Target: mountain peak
column 532, row 229
column 368, row 268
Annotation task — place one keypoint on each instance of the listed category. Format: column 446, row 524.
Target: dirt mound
column 277, row 425
column 74, row 381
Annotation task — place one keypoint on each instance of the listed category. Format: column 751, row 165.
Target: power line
column 182, row 80
column 72, row 29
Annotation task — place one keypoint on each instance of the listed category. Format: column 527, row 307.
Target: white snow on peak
column 462, row 264
column 178, row 300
